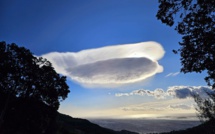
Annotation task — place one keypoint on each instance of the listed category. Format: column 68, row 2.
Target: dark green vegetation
column 196, row 24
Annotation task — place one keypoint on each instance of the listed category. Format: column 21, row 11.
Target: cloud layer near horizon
column 158, row 108
column 162, row 107
column 109, row 66
column 180, row 92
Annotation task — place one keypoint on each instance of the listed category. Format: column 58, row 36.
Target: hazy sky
column 116, row 55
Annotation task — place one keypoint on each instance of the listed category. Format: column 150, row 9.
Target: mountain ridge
column 70, row 125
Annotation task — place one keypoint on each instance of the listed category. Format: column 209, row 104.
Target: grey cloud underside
column 183, row 92
column 114, row 70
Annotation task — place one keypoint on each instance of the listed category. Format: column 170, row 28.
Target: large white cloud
column 111, row 65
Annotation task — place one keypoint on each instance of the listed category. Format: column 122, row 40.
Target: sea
column 144, row 126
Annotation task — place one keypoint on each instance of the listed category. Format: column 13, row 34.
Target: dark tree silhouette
column 196, row 24
column 25, row 76
column 195, row 21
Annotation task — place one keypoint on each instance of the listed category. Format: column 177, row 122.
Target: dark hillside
column 205, row 128
column 28, row 116
column 69, row 125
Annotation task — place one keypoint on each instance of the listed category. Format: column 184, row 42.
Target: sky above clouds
column 116, row 55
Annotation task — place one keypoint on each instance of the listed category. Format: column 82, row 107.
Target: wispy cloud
column 181, row 107
column 109, row 66
column 172, row 74
column 181, row 92
column 153, row 108
column 161, row 106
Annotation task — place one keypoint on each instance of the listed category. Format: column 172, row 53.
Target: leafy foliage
column 26, row 76
column 196, row 24
column 206, row 107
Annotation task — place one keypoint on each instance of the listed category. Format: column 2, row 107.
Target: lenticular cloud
column 111, row 65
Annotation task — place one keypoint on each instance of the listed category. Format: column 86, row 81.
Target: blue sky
column 71, row 26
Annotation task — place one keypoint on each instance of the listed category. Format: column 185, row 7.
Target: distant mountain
column 69, row 125
column 205, row 128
